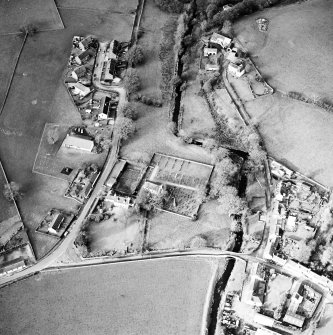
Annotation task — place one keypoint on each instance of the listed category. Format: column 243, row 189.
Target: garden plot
column 185, row 181
column 278, row 287
column 52, row 158
column 120, row 233
column 40, row 14
column 210, row 230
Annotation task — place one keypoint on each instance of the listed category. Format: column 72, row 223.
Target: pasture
column 297, row 134
column 37, row 97
column 295, row 53
column 151, row 297
column 17, row 14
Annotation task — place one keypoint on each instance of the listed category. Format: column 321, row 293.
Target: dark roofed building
column 86, row 43
column 56, row 223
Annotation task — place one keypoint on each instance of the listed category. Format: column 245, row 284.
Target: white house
column 212, row 67
column 236, row 70
column 118, row 200
column 79, row 89
column 210, row 51
column 223, row 41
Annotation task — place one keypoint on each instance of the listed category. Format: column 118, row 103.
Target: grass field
column 36, row 97
column 15, row 14
column 197, row 120
column 168, row 231
column 297, row 134
column 152, row 297
column 280, row 53
column 326, row 323
column 8, row 54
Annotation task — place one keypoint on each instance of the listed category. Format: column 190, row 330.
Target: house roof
column 294, row 319
column 87, row 41
column 118, row 199
column 79, row 86
column 80, row 70
column 152, row 186
column 78, row 142
column 210, row 50
column 217, row 38
column 57, row 221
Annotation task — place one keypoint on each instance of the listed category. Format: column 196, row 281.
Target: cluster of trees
column 135, row 55
column 223, row 183
column 128, row 111
column 12, row 191
column 149, row 201
column 216, row 16
column 124, row 128
column 149, row 101
column 132, row 82
column 171, row 6
column 167, row 58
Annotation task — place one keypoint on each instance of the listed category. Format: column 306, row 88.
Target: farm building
column 55, row 224
column 12, row 266
column 236, row 70
column 210, row 51
column 78, row 142
column 118, row 200
column 79, row 89
column 154, row 188
column 86, row 43
column 221, row 40
column 114, row 174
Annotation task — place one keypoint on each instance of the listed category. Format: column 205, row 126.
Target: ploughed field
column 148, row 297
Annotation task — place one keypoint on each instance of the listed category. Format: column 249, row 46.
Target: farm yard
column 44, row 99
column 210, row 230
column 52, row 158
column 161, row 297
column 279, row 53
column 17, row 14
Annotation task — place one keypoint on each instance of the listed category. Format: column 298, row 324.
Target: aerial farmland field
column 16, row 14
column 152, row 297
column 37, row 96
column 296, row 51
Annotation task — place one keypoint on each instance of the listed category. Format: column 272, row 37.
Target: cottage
column 236, row 70
column 78, row 142
column 55, row 224
column 221, row 40
column 86, row 43
column 119, row 201
column 79, row 89
column 210, row 51
column 108, row 111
